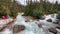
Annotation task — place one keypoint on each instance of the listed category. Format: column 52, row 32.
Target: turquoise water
column 31, row 27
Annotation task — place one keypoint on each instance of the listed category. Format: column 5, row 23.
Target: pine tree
column 9, row 8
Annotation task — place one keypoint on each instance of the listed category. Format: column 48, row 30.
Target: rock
column 18, row 28
column 53, row 30
column 55, row 22
column 37, row 17
column 49, row 20
column 39, row 25
column 27, row 20
column 58, row 22
column 58, row 27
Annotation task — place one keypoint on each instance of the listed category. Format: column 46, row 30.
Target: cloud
column 23, row 2
column 53, row 1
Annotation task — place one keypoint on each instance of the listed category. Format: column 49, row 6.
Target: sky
column 23, row 2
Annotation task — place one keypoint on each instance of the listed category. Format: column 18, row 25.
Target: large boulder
column 18, row 28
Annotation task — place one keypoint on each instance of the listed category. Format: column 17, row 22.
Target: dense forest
column 7, row 7
column 32, row 9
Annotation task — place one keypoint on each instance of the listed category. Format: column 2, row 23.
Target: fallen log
column 8, row 25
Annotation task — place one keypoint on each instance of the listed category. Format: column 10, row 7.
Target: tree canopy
column 38, row 8
column 32, row 9
column 7, row 7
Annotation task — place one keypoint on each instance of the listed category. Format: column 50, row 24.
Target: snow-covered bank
column 5, row 21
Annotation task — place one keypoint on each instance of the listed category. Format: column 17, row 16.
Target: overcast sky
column 23, row 2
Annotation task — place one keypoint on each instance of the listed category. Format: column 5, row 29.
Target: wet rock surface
column 49, row 20
column 53, row 30
column 58, row 22
column 55, row 22
column 18, row 28
column 58, row 27
column 26, row 26
column 39, row 25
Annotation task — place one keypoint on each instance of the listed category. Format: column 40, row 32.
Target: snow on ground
column 5, row 21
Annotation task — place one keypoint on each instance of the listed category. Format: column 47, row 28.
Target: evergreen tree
column 7, row 7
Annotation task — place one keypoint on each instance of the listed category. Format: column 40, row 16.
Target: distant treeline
column 32, row 9
column 41, row 8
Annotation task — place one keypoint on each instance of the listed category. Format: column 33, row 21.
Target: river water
column 31, row 27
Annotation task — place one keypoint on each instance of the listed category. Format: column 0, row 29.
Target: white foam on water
column 47, row 24
column 31, row 27
column 6, row 31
